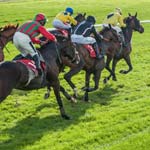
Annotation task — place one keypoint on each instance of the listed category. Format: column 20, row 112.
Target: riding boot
column 96, row 48
column 69, row 32
column 37, row 63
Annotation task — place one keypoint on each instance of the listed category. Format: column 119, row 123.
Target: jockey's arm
column 97, row 37
column 72, row 20
column 47, row 34
column 121, row 23
column 35, row 41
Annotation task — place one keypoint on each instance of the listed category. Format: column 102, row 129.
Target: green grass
column 117, row 118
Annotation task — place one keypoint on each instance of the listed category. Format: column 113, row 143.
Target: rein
column 76, row 55
column 3, row 45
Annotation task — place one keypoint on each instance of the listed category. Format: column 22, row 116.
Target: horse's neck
column 128, row 34
column 5, row 39
column 3, row 42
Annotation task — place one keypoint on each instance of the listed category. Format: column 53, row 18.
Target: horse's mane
column 6, row 27
column 104, row 30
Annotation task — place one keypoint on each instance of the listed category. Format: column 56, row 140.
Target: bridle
column 76, row 55
column 2, row 43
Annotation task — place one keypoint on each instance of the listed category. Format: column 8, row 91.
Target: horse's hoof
column 105, row 80
column 114, row 79
column 46, row 96
column 66, row 117
column 75, row 96
column 84, row 88
column 123, row 71
column 73, row 100
column 85, row 99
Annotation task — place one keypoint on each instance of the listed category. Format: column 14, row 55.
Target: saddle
column 32, row 70
column 90, row 50
column 30, row 64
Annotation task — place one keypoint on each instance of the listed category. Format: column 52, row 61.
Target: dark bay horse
column 114, row 55
column 6, row 35
column 16, row 75
column 91, row 65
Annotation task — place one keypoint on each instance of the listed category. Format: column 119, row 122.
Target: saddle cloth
column 90, row 50
column 31, row 64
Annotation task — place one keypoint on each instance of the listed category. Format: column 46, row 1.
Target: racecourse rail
column 99, row 25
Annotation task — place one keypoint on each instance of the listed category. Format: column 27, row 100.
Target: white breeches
column 24, row 44
column 59, row 24
column 82, row 40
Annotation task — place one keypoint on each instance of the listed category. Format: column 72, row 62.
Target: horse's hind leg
column 47, row 95
column 86, row 88
column 97, row 76
column 114, row 63
column 128, row 61
column 109, row 70
column 5, row 89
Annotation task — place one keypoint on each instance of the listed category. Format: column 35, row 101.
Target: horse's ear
column 135, row 14
column 17, row 25
column 129, row 14
column 84, row 14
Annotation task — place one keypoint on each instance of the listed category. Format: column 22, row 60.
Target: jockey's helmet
column 70, row 10
column 118, row 10
column 91, row 19
column 41, row 18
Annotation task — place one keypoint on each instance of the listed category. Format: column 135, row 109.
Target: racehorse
column 90, row 64
column 15, row 74
column 6, row 35
column 132, row 24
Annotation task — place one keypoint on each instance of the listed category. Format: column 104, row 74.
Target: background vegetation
column 118, row 116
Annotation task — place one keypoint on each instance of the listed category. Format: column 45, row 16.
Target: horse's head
column 80, row 17
column 68, row 50
column 134, row 23
column 8, row 31
column 6, row 35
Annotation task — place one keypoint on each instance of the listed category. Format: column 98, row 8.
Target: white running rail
column 99, row 25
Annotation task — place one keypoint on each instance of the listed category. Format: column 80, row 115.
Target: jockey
column 25, row 37
column 63, row 20
column 115, row 19
column 82, row 34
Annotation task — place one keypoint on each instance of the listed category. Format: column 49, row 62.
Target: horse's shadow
column 32, row 128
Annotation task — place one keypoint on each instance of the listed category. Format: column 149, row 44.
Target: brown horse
column 6, row 35
column 91, row 65
column 16, row 74
column 116, row 52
